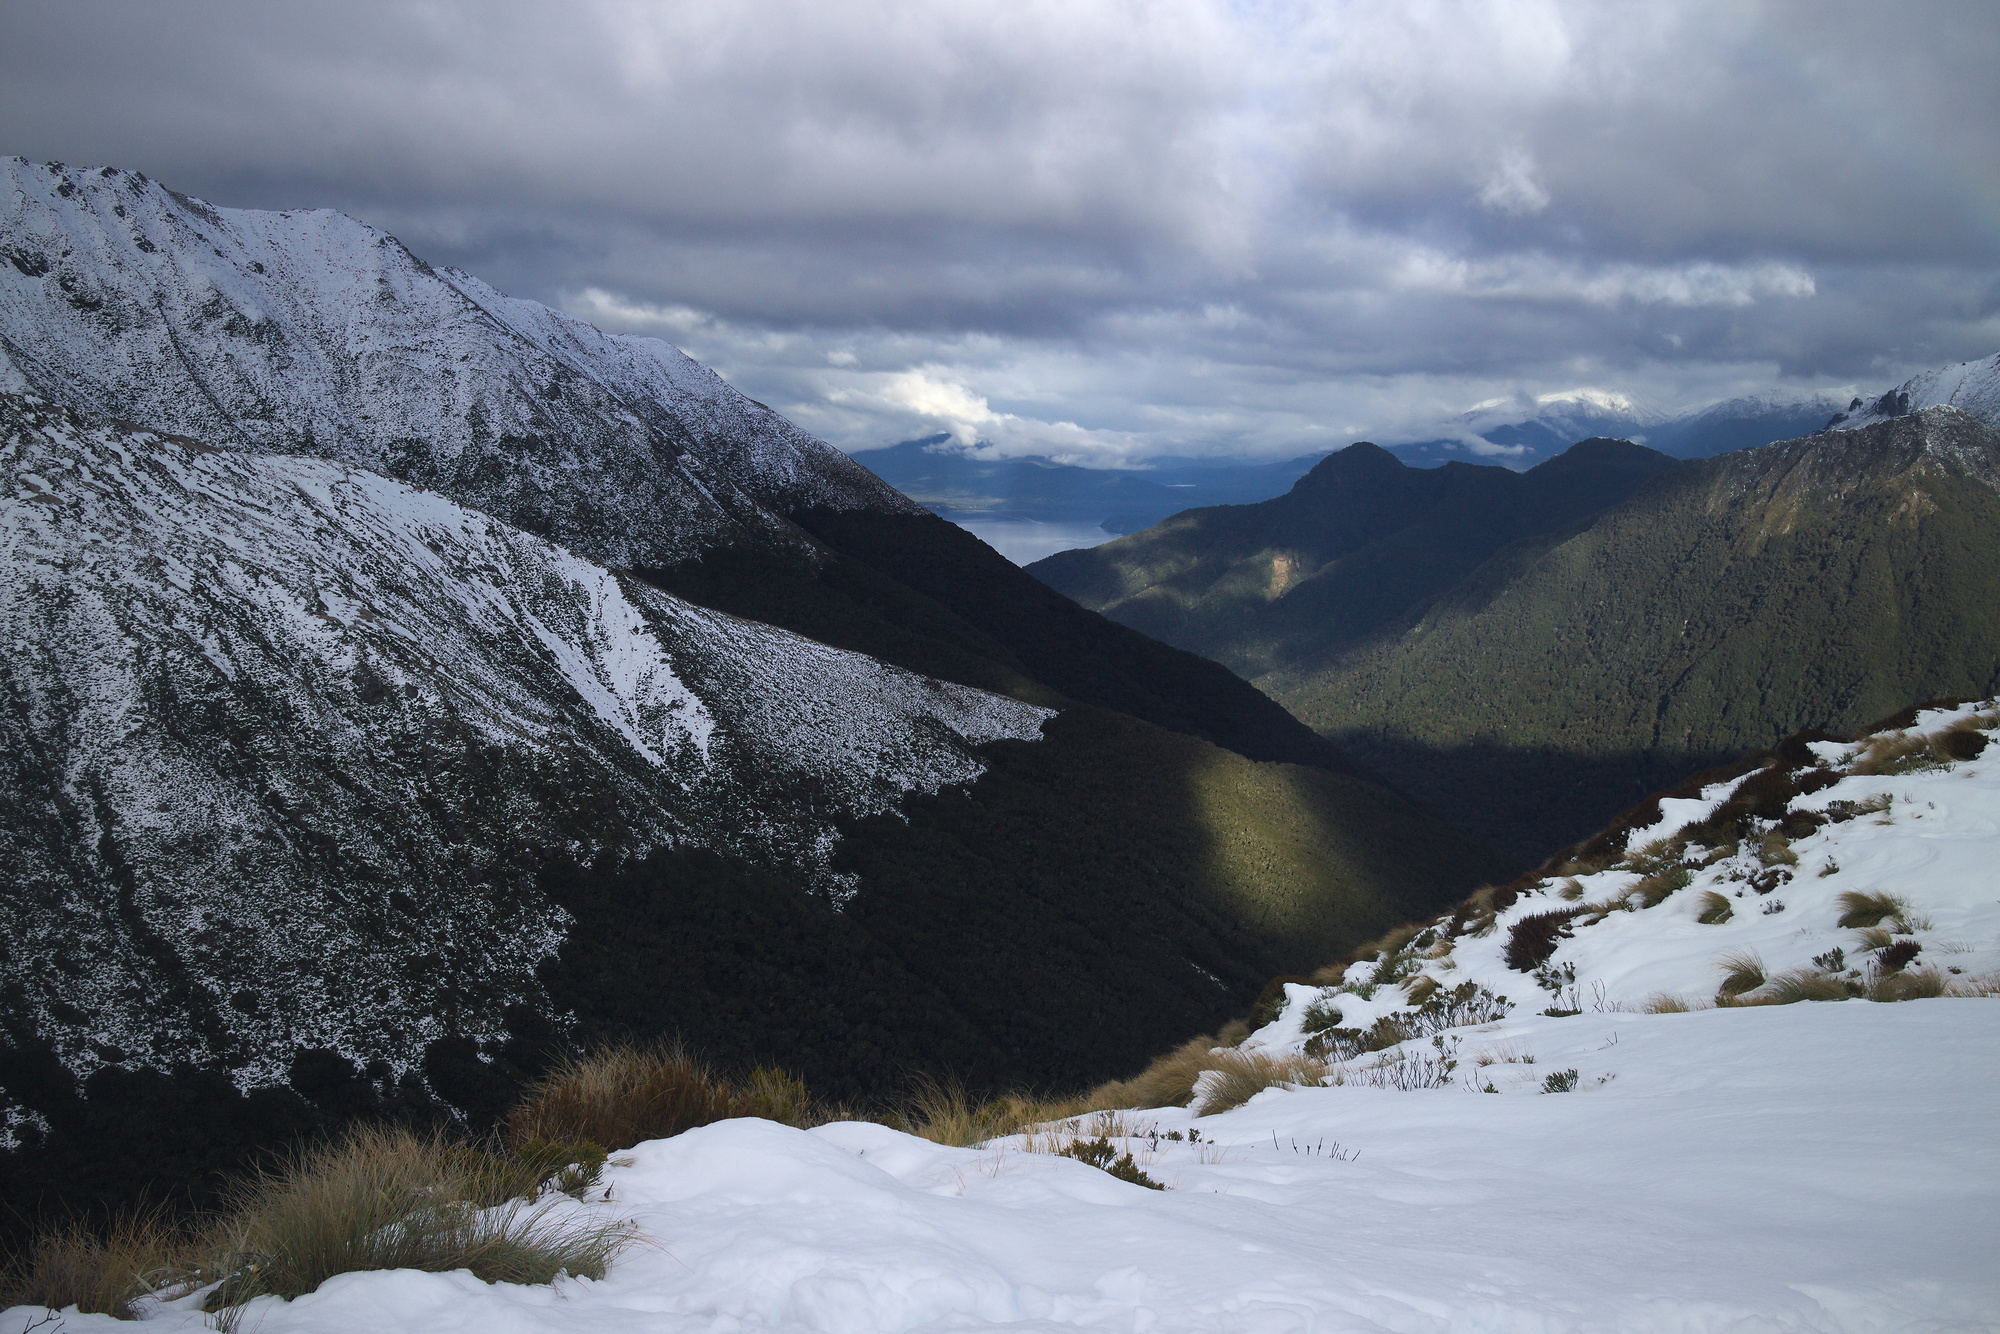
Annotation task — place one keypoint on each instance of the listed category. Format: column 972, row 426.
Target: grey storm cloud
column 1105, row 229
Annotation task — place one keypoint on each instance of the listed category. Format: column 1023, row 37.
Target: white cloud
column 1115, row 228
column 1511, row 187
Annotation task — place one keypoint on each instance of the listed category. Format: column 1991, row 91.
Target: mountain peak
column 1973, row 387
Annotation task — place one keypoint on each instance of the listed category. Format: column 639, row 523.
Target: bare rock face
column 286, row 741
column 307, row 332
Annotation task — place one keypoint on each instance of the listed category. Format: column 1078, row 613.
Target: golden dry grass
column 1715, row 908
column 1235, row 1077
column 1742, row 971
column 390, row 1198
column 104, row 1269
column 624, row 1095
column 1860, row 909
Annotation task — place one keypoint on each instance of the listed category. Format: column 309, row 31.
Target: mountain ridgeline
column 1339, row 560
column 406, row 683
column 1531, row 680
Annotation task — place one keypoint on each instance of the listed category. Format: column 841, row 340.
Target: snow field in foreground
column 1809, row 1167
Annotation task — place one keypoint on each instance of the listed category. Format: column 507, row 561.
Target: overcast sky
column 1103, row 229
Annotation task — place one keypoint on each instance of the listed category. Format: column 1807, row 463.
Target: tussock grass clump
column 1714, row 908
column 389, row 1198
column 1985, row 985
column 1909, row 984
column 102, row 1270
column 624, row 1095
column 1655, row 889
column 1167, row 1082
column 1667, row 1002
column 1741, row 971
column 1802, row 984
column 1235, row 1077
column 1775, row 849
column 942, row 1112
column 1860, row 909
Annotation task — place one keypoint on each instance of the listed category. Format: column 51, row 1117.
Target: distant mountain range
column 979, row 491
column 1528, row 653
column 404, row 681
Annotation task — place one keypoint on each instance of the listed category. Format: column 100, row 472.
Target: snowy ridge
column 1798, row 1168
column 310, row 333
column 288, row 738
column 1973, row 387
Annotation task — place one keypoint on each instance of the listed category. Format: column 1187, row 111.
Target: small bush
column 1858, row 909
column 1560, row 1081
column 1533, row 939
column 1741, row 971
column 1715, row 908
column 101, row 1270
column 1321, row 1016
column 1100, row 1154
column 1337, row 1044
column 1893, row 958
column 387, row 1198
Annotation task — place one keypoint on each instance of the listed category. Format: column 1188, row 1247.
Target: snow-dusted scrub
column 287, row 741
column 1824, row 870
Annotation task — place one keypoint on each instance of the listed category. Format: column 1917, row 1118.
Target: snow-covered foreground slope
column 286, row 742
column 307, row 332
column 1584, row 1159
column 1813, row 1168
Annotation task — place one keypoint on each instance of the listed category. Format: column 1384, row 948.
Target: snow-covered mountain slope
column 1830, row 870
column 1802, row 1168
column 286, row 741
column 307, row 332
column 1973, row 387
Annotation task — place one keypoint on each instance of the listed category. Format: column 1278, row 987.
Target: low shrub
column 1714, row 908
column 1532, row 940
column 388, row 1198
column 1100, row 1154
column 1893, row 958
column 1321, row 1016
column 1559, row 1081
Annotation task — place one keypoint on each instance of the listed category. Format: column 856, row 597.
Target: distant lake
column 1024, row 541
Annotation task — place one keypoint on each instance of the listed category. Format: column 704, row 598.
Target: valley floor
column 1805, row 1167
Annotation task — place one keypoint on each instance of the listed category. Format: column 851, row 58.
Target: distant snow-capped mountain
column 1526, row 429
column 307, row 332
column 1973, row 387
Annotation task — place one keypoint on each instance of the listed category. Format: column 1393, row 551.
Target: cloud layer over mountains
column 1104, row 229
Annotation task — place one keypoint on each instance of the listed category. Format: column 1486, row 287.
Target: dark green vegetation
column 1346, row 556
column 975, row 943
column 1531, row 691
column 1813, row 583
